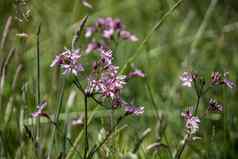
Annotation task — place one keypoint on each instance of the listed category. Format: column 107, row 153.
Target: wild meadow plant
column 104, row 85
column 90, row 65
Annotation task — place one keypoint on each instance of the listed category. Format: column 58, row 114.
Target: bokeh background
column 199, row 35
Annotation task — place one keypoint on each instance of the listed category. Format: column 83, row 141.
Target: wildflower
column 187, row 79
column 134, row 110
column 218, row 79
column 228, row 82
column 136, row 73
column 69, row 61
column 108, row 27
column 106, row 57
column 191, row 122
column 214, row 106
column 40, row 110
column 130, row 109
column 89, row 31
column 125, row 35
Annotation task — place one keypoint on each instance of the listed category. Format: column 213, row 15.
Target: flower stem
column 96, row 148
column 86, row 126
column 180, row 151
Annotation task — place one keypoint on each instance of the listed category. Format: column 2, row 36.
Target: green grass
column 198, row 35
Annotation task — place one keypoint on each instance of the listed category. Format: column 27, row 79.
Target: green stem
column 38, row 83
column 96, row 148
column 86, row 126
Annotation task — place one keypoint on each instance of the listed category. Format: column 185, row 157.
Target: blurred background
column 199, row 35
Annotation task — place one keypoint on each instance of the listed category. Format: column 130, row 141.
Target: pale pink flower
column 69, row 61
column 126, row 35
column 136, row 73
column 191, row 122
column 40, row 110
column 186, row 79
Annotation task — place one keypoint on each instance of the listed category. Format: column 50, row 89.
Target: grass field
column 173, row 37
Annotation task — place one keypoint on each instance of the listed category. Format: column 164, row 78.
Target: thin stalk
column 180, row 151
column 96, row 148
column 197, row 105
column 38, row 80
column 66, row 138
column 85, row 126
column 56, row 118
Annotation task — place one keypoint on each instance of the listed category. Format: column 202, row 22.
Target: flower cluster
column 108, row 28
column 106, row 81
column 187, row 78
column 218, row 79
column 201, row 87
column 191, row 122
column 69, row 61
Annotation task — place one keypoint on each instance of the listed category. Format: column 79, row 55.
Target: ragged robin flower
column 69, row 62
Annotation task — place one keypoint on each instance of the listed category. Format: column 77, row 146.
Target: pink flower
column 106, row 57
column 108, row 27
column 228, row 82
column 218, row 79
column 136, row 73
column 40, row 110
column 191, row 122
column 187, row 79
column 89, row 31
column 134, row 110
column 69, row 61
column 126, row 35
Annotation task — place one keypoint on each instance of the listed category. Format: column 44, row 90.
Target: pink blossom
column 108, row 27
column 136, row 73
column 40, row 110
column 134, row 110
column 69, row 61
column 126, row 35
column 89, row 31
column 191, row 122
column 228, row 82
column 187, row 79
column 218, row 79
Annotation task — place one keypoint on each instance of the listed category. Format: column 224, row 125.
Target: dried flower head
column 214, row 106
